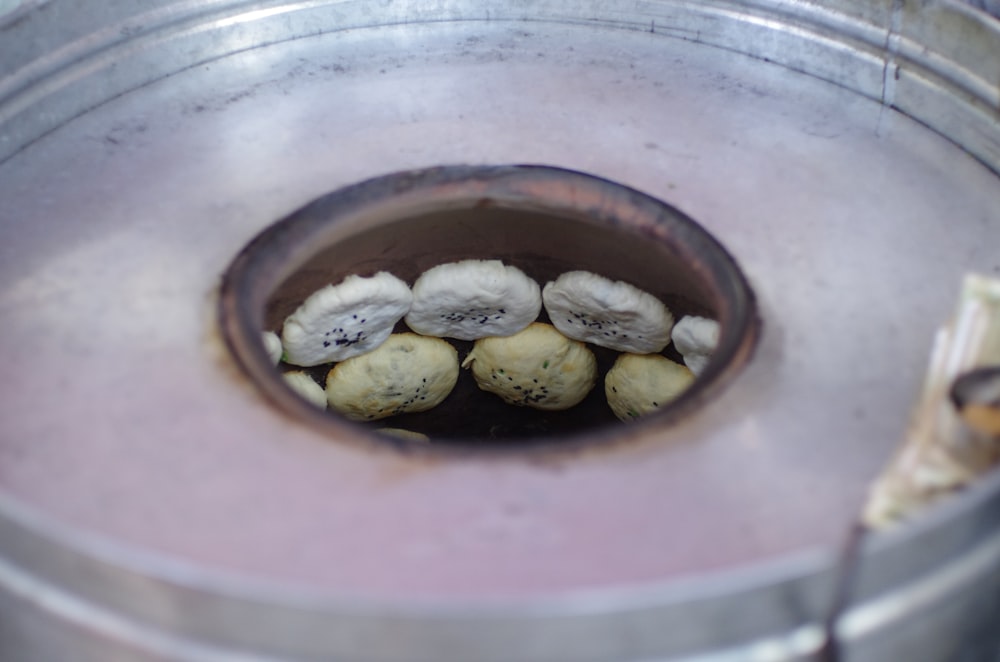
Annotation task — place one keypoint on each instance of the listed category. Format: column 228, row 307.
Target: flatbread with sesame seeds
column 614, row 314
column 345, row 320
column 473, row 299
column 537, row 367
column 639, row 384
column 407, row 373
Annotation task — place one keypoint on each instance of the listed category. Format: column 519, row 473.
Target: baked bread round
column 272, row 345
column 591, row 308
column 306, row 386
column 537, row 367
column 473, row 299
column 639, row 384
column 405, row 435
column 345, row 320
column 407, row 373
column 695, row 338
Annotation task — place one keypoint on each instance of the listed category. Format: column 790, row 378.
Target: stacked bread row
column 377, row 373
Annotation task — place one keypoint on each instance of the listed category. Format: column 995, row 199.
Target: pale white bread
column 473, row 299
column 407, row 373
column 614, row 314
column 306, row 386
column 537, row 367
column 695, row 338
column 272, row 345
column 639, row 384
column 345, row 320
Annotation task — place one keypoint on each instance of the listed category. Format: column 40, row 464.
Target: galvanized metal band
column 883, row 50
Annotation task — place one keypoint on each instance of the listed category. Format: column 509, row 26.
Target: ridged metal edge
column 879, row 51
column 132, row 593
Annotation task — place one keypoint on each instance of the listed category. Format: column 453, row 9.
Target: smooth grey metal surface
column 153, row 506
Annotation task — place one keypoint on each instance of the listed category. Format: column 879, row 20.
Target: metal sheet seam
column 891, row 48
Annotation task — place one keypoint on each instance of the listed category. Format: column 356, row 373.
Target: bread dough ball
column 696, row 338
column 609, row 313
column 306, row 386
column 405, row 435
column 407, row 373
column 639, row 384
column 345, row 320
column 473, row 299
column 537, row 367
column 272, row 345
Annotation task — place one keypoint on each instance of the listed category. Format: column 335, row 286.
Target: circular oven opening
column 543, row 221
